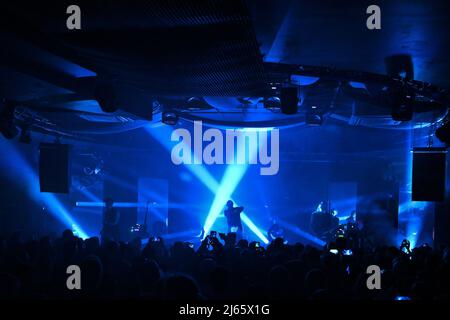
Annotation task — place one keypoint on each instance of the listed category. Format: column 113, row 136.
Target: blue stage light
column 67, row 67
column 90, row 195
column 413, row 222
column 90, row 204
column 162, row 135
column 303, row 80
column 233, row 175
column 231, row 178
column 249, row 223
column 120, row 182
column 278, row 48
column 357, row 85
column 17, row 164
column 57, row 209
column 301, row 233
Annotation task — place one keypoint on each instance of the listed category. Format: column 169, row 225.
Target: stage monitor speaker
column 289, row 100
column 428, row 178
column 54, row 167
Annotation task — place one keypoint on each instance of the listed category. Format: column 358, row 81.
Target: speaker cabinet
column 289, row 100
column 429, row 173
column 54, row 168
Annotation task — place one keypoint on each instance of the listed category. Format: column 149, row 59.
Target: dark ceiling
column 208, row 59
column 334, row 33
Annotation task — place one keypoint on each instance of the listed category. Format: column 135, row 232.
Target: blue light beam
column 163, row 133
column 14, row 159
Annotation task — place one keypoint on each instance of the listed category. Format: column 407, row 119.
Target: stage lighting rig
column 169, row 118
column 282, row 98
column 400, row 92
column 314, row 116
column 272, row 103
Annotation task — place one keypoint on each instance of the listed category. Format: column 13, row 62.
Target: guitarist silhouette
column 111, row 217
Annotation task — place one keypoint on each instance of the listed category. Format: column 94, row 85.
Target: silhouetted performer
column 275, row 231
column 110, row 228
column 323, row 220
column 233, row 215
column 334, row 220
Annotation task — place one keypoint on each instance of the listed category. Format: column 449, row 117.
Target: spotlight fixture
column 197, row 103
column 314, row 120
column 313, row 116
column 282, row 98
column 272, row 103
column 170, row 118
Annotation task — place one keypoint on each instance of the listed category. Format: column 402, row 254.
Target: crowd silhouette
column 218, row 269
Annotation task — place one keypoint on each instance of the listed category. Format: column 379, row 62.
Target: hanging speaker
column 54, row 167
column 289, row 100
column 400, row 65
column 429, row 173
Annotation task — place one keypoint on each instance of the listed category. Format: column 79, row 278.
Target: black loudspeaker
column 289, row 100
column 54, row 168
column 400, row 65
column 428, row 178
